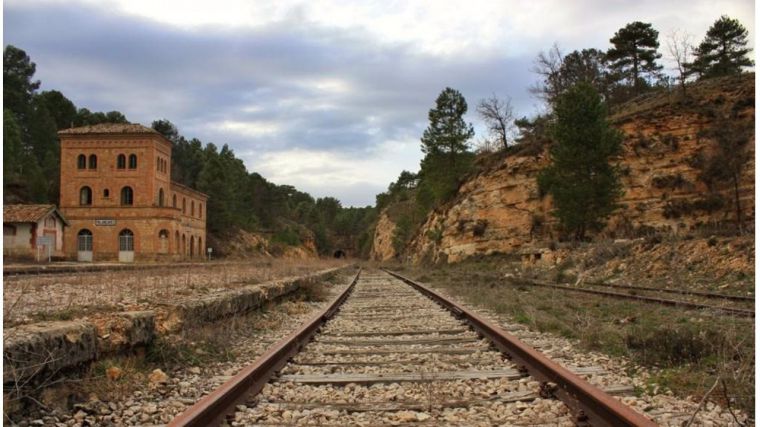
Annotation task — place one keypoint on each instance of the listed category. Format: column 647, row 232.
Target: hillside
column 666, row 144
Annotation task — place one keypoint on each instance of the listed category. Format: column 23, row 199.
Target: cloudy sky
column 330, row 96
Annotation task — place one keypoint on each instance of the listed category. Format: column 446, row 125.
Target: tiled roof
column 27, row 213
column 181, row 187
column 108, row 128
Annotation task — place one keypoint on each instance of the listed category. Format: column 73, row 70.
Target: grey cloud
column 201, row 78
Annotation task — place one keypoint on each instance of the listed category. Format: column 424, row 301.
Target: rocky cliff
column 666, row 142
column 382, row 241
column 243, row 244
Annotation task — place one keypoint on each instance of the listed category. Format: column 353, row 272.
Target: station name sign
column 105, row 222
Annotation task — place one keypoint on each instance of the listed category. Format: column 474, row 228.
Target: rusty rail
column 590, row 404
column 213, row 408
column 678, row 291
column 669, row 302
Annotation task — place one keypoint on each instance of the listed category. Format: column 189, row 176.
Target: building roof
column 181, row 187
column 109, row 128
column 29, row 213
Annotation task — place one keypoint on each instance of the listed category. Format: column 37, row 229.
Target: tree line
column 238, row 199
column 31, row 120
column 578, row 89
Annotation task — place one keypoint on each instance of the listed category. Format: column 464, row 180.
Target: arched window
column 163, row 242
column 201, row 251
column 126, row 240
column 93, row 161
column 121, row 161
column 81, row 161
column 127, row 197
column 158, row 164
column 184, row 205
column 133, row 161
column 84, row 240
column 176, row 242
column 192, row 208
column 184, row 245
column 85, row 196
column 200, row 210
column 174, row 200
column 161, row 197
column 192, row 246
column 106, row 193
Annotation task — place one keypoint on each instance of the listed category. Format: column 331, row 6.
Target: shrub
column 669, row 346
column 287, row 236
column 480, row 228
column 669, row 181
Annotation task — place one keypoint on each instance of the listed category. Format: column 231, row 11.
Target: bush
column 679, row 208
column 669, row 181
column 436, row 234
column 672, row 346
column 287, row 236
column 479, row 229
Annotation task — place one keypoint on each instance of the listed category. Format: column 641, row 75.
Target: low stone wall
column 47, row 347
column 195, row 311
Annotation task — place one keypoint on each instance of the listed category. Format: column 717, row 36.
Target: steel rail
column 591, row 405
column 669, row 302
column 677, row 291
column 215, row 407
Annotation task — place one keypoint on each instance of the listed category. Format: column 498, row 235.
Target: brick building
column 119, row 200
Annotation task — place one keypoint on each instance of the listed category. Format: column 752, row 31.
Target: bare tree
column 485, row 145
column 499, row 117
column 680, row 50
column 548, row 65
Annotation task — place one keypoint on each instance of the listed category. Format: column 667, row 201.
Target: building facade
column 117, row 194
column 32, row 232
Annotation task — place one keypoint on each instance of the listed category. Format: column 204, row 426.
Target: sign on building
column 45, row 241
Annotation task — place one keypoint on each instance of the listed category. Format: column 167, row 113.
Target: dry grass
column 67, row 296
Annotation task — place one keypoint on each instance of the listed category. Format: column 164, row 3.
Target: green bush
column 287, row 236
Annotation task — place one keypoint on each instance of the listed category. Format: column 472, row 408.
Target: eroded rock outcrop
column 500, row 210
column 382, row 242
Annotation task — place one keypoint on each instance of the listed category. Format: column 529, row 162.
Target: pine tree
column 18, row 87
column 447, row 132
column 723, row 51
column 583, row 183
column 446, row 147
column 634, row 54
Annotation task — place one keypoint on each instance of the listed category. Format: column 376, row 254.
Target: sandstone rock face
column 382, row 245
column 245, row 244
column 500, row 210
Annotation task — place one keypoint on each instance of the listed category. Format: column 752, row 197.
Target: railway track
column 390, row 351
column 722, row 309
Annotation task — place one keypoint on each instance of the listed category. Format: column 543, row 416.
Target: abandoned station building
column 119, row 200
